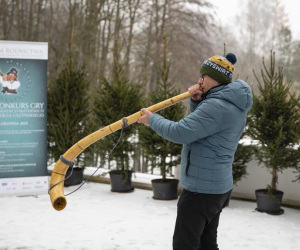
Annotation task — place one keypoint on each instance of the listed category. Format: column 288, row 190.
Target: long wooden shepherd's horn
column 57, row 196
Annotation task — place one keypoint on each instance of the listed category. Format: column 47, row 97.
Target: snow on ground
column 136, row 177
column 96, row 218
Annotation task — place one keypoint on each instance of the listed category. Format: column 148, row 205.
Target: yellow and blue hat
column 219, row 68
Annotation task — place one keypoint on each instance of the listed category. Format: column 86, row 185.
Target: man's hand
column 144, row 119
column 196, row 91
column 4, row 78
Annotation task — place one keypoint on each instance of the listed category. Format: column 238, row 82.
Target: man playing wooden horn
column 210, row 135
column 9, row 82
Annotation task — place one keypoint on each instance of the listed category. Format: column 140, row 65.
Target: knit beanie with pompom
column 219, row 68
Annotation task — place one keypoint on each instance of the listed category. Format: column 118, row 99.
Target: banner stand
column 23, row 118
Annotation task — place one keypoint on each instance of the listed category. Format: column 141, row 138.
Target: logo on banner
column 27, row 183
column 15, row 81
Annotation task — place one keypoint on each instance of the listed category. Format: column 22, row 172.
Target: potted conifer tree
column 273, row 122
column 297, row 102
column 163, row 153
column 116, row 97
column 68, row 110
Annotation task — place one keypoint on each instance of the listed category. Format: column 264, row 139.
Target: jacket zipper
column 188, row 163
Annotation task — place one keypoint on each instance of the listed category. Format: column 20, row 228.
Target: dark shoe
column 12, row 91
column 4, row 90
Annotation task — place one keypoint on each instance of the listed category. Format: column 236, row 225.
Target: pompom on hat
column 219, row 68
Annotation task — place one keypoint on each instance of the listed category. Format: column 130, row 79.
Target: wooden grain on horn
column 57, row 196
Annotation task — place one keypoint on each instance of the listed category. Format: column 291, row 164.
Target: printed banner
column 23, row 112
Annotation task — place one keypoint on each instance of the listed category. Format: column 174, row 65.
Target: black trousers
column 197, row 220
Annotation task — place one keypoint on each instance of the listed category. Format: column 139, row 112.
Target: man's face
column 11, row 77
column 207, row 83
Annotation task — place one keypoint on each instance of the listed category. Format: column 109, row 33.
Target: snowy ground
column 136, row 177
column 96, row 218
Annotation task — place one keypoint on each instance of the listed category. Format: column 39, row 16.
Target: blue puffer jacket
column 210, row 135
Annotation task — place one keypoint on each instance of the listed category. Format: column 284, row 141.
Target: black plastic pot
column 117, row 182
column 266, row 204
column 76, row 177
column 165, row 189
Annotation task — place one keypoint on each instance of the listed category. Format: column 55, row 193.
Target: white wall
column 259, row 178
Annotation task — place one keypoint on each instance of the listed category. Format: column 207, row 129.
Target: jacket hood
column 238, row 93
